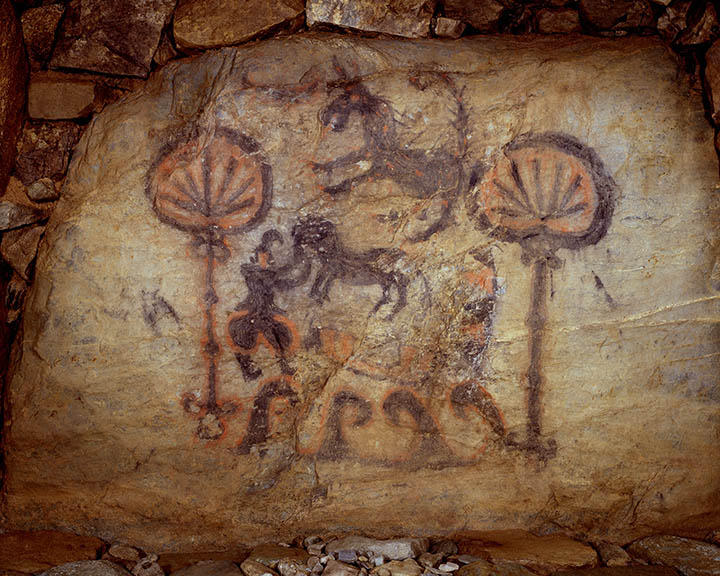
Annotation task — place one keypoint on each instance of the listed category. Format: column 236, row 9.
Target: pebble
column 397, row 549
column 430, row 560
column 87, row 568
column 148, row 566
column 210, row 568
column 407, row 567
column 444, row 547
column 42, row 190
column 448, row 567
column 612, row 554
column 335, row 568
column 253, row 568
column 689, row 557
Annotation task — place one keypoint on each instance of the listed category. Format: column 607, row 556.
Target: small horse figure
column 316, row 238
column 422, row 172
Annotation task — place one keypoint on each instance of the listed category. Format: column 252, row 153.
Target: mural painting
column 545, row 192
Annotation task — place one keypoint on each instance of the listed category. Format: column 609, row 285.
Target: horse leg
column 385, row 285
column 346, row 185
column 247, row 367
column 400, row 283
column 315, row 289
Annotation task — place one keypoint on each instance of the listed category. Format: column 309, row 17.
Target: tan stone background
column 633, row 433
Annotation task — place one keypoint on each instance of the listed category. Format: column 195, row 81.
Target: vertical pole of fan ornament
column 211, row 187
column 548, row 191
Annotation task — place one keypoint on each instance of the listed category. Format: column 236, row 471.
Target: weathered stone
column 448, row 27
column 56, row 96
column 543, row 554
column 448, row 567
column 118, row 37
column 87, row 568
column 13, row 76
column 38, row 27
column 395, row 299
column 316, row 549
column 44, row 149
column 165, row 51
column 444, row 547
column 689, row 557
column 703, row 26
column 292, row 568
column 621, row 571
column 559, row 21
column 173, row 562
column 19, row 248
column 122, row 553
column 209, row 24
column 15, row 298
column 714, row 536
column 43, row 190
column 616, row 15
column 34, row 552
column 407, row 567
column 409, row 18
column 483, row 16
column 335, row 568
column 148, row 566
column 396, row 549
column 485, row 568
column 253, row 568
column 612, row 554
column 673, row 20
column 271, row 554
column 430, row 560
column 14, row 215
column 210, row 568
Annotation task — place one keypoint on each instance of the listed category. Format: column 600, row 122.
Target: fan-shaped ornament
column 210, row 186
column 548, row 191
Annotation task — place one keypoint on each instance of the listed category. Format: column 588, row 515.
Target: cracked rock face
column 358, row 289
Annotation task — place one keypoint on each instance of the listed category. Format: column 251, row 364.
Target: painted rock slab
column 300, row 287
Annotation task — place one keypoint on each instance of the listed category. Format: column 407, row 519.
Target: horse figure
column 316, row 238
column 423, row 172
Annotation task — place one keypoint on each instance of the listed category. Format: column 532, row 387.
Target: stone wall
column 331, row 283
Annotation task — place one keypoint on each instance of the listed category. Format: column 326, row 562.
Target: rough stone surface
column 14, row 215
column 13, row 76
column 621, row 571
column 408, row 18
column 43, row 190
column 395, row 287
column 271, row 554
column 19, row 248
column 616, row 15
column 703, row 26
column 448, row 27
column 335, row 568
column 55, row 96
column 613, row 554
column 543, row 554
column 148, row 566
column 689, row 557
column 563, row 21
column 712, row 79
column 172, row 562
column 118, row 37
column 87, row 568
column 43, row 150
column 209, row 24
column 254, row 568
column 38, row 27
column 407, row 567
column 483, row 16
column 34, row 552
column 485, row 568
column 211, row 568
column 396, row 549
